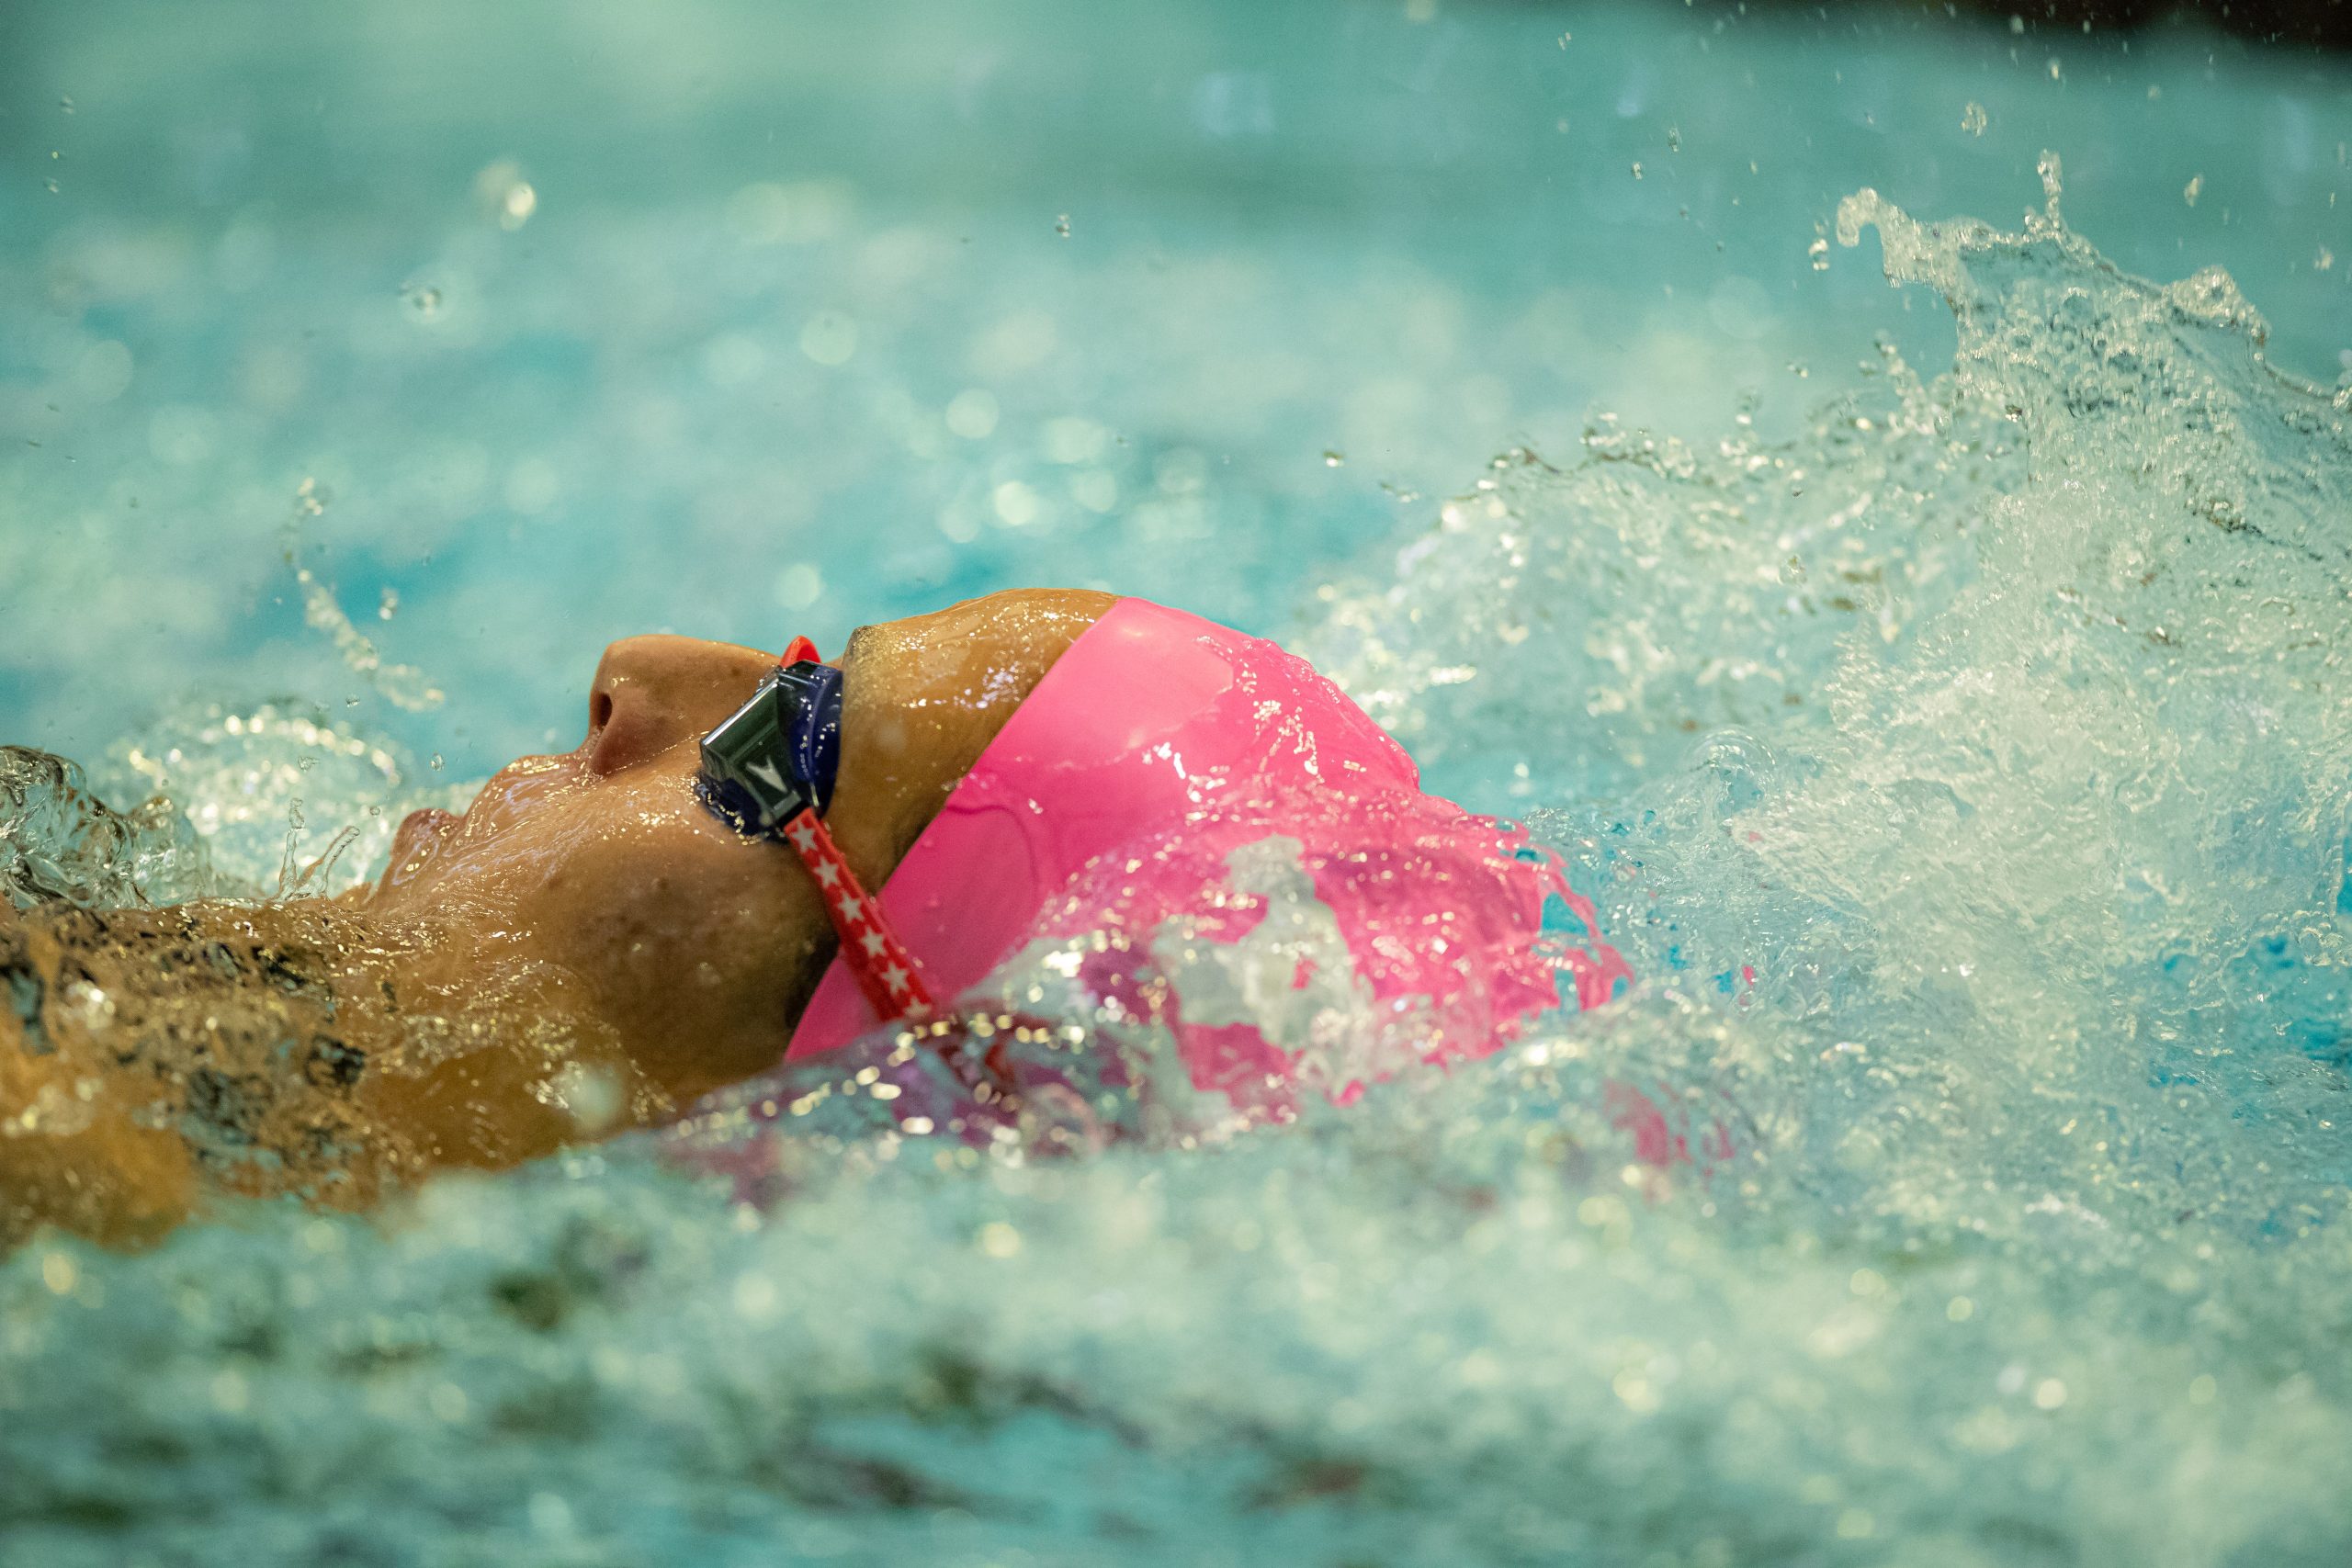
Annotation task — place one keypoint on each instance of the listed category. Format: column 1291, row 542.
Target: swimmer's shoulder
column 71, row 1155
column 21, row 985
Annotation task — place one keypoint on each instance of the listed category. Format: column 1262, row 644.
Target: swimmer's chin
column 415, row 845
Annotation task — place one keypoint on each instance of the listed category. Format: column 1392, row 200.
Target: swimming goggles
column 768, row 773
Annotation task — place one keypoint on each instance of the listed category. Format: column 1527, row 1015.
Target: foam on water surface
column 1967, row 777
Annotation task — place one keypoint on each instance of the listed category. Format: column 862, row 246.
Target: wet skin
column 585, row 948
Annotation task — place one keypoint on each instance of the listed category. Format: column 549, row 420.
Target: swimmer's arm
column 71, row 1154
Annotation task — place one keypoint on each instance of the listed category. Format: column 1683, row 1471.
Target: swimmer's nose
column 653, row 692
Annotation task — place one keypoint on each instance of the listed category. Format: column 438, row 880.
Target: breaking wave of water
column 1968, row 778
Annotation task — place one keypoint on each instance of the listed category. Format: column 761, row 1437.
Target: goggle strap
column 893, row 982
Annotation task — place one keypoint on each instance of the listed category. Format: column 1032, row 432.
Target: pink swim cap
column 1178, row 784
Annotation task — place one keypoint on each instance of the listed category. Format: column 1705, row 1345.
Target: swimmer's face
column 601, row 867
column 604, row 863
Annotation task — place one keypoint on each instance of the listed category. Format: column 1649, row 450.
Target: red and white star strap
column 893, row 982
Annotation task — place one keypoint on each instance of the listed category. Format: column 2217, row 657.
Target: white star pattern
column 893, row 982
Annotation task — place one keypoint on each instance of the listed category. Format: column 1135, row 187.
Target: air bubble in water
column 1819, row 251
column 436, row 762
column 2193, row 190
column 1061, row 225
column 1973, row 119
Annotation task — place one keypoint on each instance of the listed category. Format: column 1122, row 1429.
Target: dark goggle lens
column 777, row 754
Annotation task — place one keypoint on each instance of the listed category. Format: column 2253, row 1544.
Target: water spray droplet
column 422, row 298
column 436, row 762
column 504, row 196
column 402, row 684
column 1973, row 119
column 1333, row 460
column 387, row 603
column 1638, row 168
column 1061, row 225
column 1819, row 251
column 2193, row 190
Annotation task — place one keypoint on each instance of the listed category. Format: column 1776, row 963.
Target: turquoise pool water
column 1938, row 687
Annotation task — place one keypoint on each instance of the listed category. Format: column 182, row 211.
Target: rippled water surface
column 1939, row 690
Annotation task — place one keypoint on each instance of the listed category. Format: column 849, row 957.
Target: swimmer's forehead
column 1018, row 632
column 924, row 696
